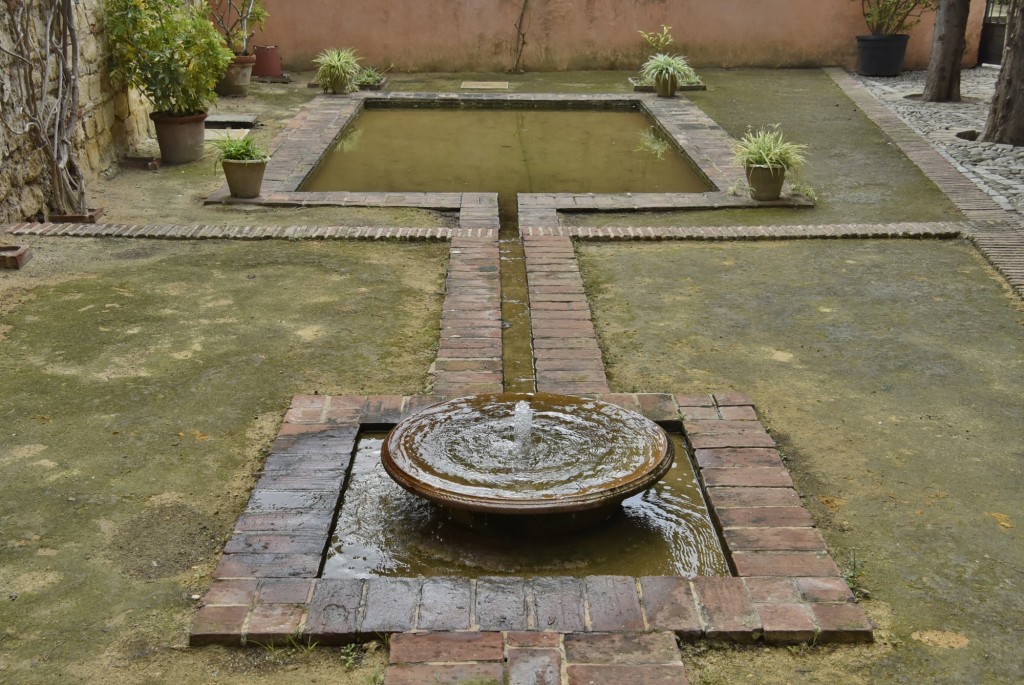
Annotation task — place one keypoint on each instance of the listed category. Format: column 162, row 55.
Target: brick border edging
column 520, row 658
column 787, row 589
column 975, row 203
column 478, row 219
column 300, row 146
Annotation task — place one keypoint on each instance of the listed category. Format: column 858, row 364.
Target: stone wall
column 110, row 121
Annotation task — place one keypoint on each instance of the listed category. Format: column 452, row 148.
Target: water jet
column 527, row 462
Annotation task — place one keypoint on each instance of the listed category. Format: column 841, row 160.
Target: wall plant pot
column 881, row 55
column 235, row 81
column 245, row 177
column 765, row 182
column 666, row 87
column 180, row 137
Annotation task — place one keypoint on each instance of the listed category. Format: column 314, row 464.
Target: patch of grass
column 853, row 574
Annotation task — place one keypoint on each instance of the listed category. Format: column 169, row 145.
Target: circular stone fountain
column 535, row 462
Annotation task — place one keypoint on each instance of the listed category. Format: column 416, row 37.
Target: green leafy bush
column 767, row 147
column 662, row 66
column 892, row 17
column 241, row 150
column 238, row 21
column 337, row 69
column 168, row 50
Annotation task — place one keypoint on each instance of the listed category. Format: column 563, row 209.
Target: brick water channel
column 784, row 586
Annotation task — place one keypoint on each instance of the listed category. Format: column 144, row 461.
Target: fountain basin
column 573, row 466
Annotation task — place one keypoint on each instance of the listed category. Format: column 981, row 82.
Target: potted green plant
column 238, row 21
column 881, row 53
column 668, row 72
column 766, row 157
column 174, row 55
column 370, row 78
column 244, row 163
column 337, row 70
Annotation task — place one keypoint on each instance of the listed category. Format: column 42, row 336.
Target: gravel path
column 996, row 169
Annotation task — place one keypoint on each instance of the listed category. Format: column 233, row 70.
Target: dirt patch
column 899, row 415
column 940, row 638
column 165, row 540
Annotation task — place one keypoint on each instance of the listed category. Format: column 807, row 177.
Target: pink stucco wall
column 465, row 35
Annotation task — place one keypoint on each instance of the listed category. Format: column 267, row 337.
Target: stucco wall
column 109, row 121
column 456, row 35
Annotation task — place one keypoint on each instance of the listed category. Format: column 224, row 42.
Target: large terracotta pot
column 765, row 182
column 180, row 137
column 881, row 55
column 268, row 62
column 666, row 87
column 245, row 177
column 235, row 82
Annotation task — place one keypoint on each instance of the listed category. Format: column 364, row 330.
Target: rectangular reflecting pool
column 382, row 530
column 507, row 151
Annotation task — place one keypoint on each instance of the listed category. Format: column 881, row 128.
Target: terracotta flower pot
column 268, row 62
column 180, row 137
column 245, row 177
column 235, row 81
column 765, row 182
column 666, row 87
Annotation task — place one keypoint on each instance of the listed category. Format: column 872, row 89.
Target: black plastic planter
column 881, row 55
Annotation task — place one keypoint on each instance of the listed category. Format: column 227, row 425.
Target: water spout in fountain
column 522, row 426
column 527, row 460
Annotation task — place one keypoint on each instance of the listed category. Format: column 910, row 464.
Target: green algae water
column 504, row 151
column 382, row 530
column 507, row 152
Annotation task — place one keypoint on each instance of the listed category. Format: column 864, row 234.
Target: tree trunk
column 1006, row 118
column 942, row 83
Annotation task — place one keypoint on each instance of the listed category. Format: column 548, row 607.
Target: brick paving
column 785, row 588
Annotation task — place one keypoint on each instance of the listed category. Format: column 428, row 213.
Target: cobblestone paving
column 997, row 169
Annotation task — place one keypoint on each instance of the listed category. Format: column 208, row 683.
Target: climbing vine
column 517, row 51
column 42, row 100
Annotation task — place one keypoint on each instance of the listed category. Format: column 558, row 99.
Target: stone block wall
column 110, row 121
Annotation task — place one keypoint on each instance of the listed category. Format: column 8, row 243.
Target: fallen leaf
column 1002, row 519
column 200, row 437
column 833, row 503
column 941, row 638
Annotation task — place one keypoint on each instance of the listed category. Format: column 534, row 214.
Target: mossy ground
column 142, row 383
column 890, row 373
column 143, row 380
column 858, row 174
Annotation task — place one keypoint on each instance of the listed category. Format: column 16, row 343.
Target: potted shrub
column 237, row 21
column 174, row 55
column 370, row 78
column 882, row 52
column 337, row 70
column 766, row 157
column 244, row 163
column 668, row 72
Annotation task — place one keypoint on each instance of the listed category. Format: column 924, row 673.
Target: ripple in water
column 382, row 530
column 497, row 449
